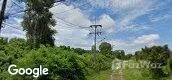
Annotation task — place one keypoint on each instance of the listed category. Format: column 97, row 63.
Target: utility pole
column 2, row 12
column 60, row 0
column 95, row 34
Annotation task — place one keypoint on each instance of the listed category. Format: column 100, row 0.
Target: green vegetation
column 102, row 75
column 155, row 54
column 78, row 64
column 105, row 48
column 63, row 63
column 38, row 23
column 66, row 63
column 137, row 74
column 143, row 74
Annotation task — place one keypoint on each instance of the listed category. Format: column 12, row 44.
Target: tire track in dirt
column 117, row 74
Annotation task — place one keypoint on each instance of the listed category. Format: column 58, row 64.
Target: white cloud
column 141, row 8
column 71, row 15
column 69, row 34
column 130, row 46
column 128, row 10
column 76, row 37
column 145, row 39
column 108, row 23
column 116, row 4
column 10, row 32
column 155, row 19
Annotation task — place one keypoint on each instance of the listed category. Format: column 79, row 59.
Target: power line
column 18, row 12
column 11, row 25
column 74, row 8
column 17, row 4
column 59, row 1
column 66, row 21
column 27, row 10
column 10, row 8
column 105, row 37
column 67, row 24
column 19, row 7
column 67, row 28
column 72, row 24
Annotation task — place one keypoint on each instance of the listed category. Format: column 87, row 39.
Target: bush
column 97, row 62
column 155, row 54
column 62, row 64
column 168, row 68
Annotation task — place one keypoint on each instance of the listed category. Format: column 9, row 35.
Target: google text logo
column 36, row 72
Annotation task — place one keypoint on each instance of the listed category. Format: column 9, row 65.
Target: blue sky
column 127, row 24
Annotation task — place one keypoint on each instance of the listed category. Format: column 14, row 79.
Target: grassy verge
column 139, row 74
column 136, row 74
column 102, row 75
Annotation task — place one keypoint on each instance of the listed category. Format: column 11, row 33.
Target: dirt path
column 117, row 74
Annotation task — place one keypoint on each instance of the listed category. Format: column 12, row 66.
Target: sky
column 128, row 25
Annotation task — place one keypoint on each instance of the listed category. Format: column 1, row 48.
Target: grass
column 102, row 75
column 136, row 74
column 140, row 74
column 130, row 74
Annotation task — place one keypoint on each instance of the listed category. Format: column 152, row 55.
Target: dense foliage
column 155, row 54
column 64, row 63
column 105, row 48
column 120, row 54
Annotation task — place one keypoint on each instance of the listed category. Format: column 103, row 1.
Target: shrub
column 61, row 64
column 97, row 62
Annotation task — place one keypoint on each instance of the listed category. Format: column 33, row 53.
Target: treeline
column 104, row 48
column 154, row 54
column 66, row 63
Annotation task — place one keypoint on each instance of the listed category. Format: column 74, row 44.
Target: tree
column 65, row 48
column 128, row 56
column 155, row 54
column 120, row 54
column 105, row 48
column 79, row 51
column 38, row 23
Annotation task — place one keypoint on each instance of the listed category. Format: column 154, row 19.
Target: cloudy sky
column 127, row 24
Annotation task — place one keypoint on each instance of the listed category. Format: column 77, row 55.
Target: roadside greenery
column 66, row 63
column 63, row 63
column 156, row 54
